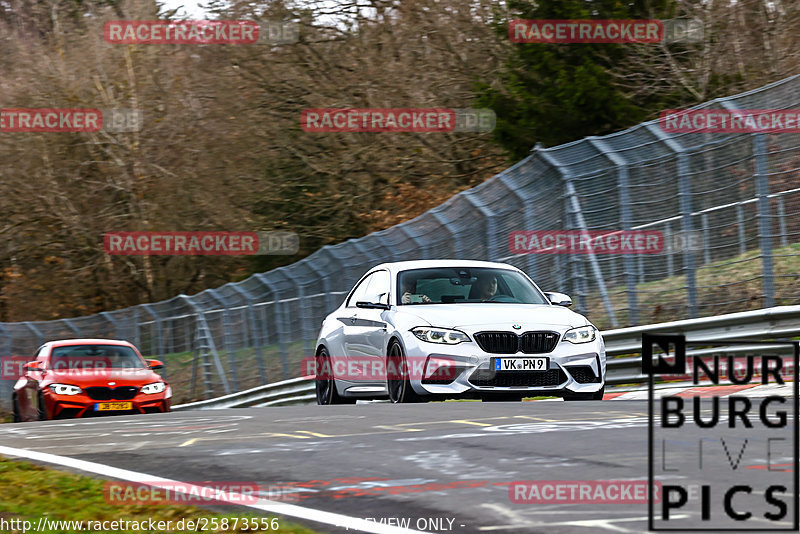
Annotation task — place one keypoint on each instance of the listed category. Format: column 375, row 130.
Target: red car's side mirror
column 155, row 364
column 32, row 366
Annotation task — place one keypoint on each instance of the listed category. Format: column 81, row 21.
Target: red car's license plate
column 112, row 406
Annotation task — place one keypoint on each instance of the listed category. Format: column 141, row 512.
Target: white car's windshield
column 451, row 285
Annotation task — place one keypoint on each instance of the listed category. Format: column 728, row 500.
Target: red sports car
column 89, row 378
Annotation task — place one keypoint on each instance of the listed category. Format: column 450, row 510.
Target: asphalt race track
column 445, row 466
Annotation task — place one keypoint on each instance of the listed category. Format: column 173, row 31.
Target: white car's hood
column 497, row 316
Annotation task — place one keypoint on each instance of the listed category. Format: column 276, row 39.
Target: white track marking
column 594, row 524
column 265, row 505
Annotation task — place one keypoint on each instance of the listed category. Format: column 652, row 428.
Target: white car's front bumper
column 569, row 369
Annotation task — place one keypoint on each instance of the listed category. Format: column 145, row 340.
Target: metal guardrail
column 285, row 393
column 765, row 324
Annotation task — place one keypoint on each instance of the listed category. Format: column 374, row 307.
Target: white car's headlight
column 445, row 336
column 582, row 334
column 64, row 389
column 155, row 387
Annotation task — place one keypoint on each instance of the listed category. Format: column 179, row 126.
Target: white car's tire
column 398, row 382
column 325, row 388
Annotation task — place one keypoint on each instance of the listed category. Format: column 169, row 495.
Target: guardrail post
column 640, row 263
column 72, row 327
column 262, row 372
column 114, row 324
column 685, row 200
column 302, row 309
column 159, row 334
column 203, row 334
column 764, row 219
column 226, row 338
column 668, row 250
column 529, row 215
column 491, row 230
column 623, row 186
column 782, row 222
column 278, row 322
column 36, row 332
column 446, row 223
column 706, row 239
column 741, row 229
column 558, row 266
column 326, row 280
column 136, row 330
column 7, row 344
column 6, row 385
column 303, row 306
column 578, row 286
column 421, row 246
column 572, row 198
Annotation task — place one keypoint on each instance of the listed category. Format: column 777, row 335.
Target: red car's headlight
column 64, row 389
column 155, row 387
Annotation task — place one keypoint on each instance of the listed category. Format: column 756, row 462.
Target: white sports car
column 425, row 330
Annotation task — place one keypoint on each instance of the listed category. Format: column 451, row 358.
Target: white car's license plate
column 521, row 364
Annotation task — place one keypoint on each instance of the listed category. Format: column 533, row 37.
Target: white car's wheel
column 398, row 382
column 325, row 387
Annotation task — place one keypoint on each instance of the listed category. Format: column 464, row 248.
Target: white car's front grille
column 511, row 343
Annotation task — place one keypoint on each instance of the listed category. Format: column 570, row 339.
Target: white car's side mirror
column 559, row 299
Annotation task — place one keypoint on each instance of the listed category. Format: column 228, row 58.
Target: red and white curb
column 693, row 390
column 746, row 390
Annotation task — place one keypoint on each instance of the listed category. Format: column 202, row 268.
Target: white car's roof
column 421, row 264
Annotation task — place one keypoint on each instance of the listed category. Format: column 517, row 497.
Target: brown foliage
column 221, row 146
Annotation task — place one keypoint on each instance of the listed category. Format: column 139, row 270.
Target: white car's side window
column 378, row 290
column 361, row 289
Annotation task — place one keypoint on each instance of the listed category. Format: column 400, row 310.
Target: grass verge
column 29, row 492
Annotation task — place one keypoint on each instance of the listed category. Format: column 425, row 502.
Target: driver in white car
column 409, row 295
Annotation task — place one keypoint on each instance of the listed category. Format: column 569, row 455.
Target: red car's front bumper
column 81, row 405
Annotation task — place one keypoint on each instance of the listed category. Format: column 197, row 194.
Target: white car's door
column 364, row 329
column 372, row 319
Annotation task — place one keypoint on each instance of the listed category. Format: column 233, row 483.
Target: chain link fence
column 738, row 194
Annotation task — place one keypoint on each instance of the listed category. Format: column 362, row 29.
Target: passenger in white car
column 484, row 288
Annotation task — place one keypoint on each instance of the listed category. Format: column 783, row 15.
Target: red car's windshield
column 94, row 357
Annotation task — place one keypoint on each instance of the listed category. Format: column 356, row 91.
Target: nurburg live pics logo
column 739, row 451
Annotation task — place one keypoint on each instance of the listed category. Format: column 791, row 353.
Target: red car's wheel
column 15, row 409
column 42, row 408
